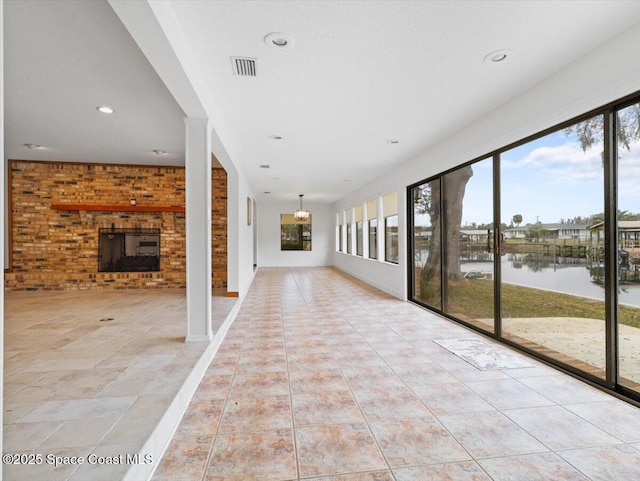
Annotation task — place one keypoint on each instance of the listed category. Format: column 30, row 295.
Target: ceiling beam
column 142, row 21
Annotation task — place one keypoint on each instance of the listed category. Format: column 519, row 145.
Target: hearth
column 129, row 250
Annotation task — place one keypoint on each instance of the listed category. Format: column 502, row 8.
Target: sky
column 551, row 179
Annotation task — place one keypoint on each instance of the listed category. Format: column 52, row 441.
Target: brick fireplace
column 59, row 210
column 128, row 250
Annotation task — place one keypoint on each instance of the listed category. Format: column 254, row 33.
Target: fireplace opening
column 129, row 250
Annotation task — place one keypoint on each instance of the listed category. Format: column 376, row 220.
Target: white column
column 198, row 214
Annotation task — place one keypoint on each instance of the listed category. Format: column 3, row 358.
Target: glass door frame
column 610, row 172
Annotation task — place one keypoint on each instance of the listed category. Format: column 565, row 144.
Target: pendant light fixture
column 301, row 214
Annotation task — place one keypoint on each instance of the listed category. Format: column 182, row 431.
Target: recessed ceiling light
column 275, row 178
column 393, row 141
column 33, row 146
column 105, row 110
column 497, row 56
column 159, row 152
column 279, row 40
column 347, row 180
column 264, row 166
column 266, row 192
column 275, row 137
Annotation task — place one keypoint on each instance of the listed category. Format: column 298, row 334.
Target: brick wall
column 53, row 249
column 219, row 228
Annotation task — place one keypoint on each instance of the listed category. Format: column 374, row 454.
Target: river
column 570, row 276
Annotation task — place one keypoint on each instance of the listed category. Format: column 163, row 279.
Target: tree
column 427, row 197
column 427, row 201
column 591, row 131
column 517, row 219
column 627, row 215
column 536, row 232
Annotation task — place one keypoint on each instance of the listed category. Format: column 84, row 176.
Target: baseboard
column 159, row 440
column 391, row 292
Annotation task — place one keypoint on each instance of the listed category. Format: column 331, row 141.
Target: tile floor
column 322, row 377
column 88, row 372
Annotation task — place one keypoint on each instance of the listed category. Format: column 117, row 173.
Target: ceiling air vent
column 245, row 67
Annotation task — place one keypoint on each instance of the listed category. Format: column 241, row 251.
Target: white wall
column 245, row 236
column 239, row 232
column 2, row 215
column 322, row 235
column 605, row 75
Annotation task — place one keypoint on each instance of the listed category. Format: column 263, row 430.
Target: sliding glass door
column 628, row 234
column 552, row 290
column 468, row 254
column 427, row 244
column 538, row 245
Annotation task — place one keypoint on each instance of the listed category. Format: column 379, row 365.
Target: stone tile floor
column 322, row 377
column 91, row 372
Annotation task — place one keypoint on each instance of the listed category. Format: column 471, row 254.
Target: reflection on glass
column 295, row 235
column 552, row 201
column 391, row 239
column 373, row 239
column 629, row 246
column 468, row 217
column 427, row 247
column 359, row 243
column 349, row 251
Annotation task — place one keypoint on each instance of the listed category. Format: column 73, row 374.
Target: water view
column 566, row 275
column 550, row 245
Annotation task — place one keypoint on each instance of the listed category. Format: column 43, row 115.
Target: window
column 390, row 211
column 628, row 235
column 373, row 239
column 349, row 248
column 467, row 245
column 295, row 235
column 338, row 233
column 426, row 244
column 539, row 243
column 359, row 233
column 372, row 221
column 391, row 239
column 559, row 274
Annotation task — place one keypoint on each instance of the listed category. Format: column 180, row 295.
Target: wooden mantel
column 117, row 208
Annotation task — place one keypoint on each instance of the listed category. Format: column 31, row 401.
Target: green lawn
column 474, row 298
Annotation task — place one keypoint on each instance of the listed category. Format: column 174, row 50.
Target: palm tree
column 517, row 219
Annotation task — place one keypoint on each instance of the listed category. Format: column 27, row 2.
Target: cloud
column 629, row 178
column 568, row 163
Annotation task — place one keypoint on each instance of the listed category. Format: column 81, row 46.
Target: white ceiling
column 62, row 60
column 360, row 73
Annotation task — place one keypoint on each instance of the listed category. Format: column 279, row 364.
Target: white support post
column 198, row 217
